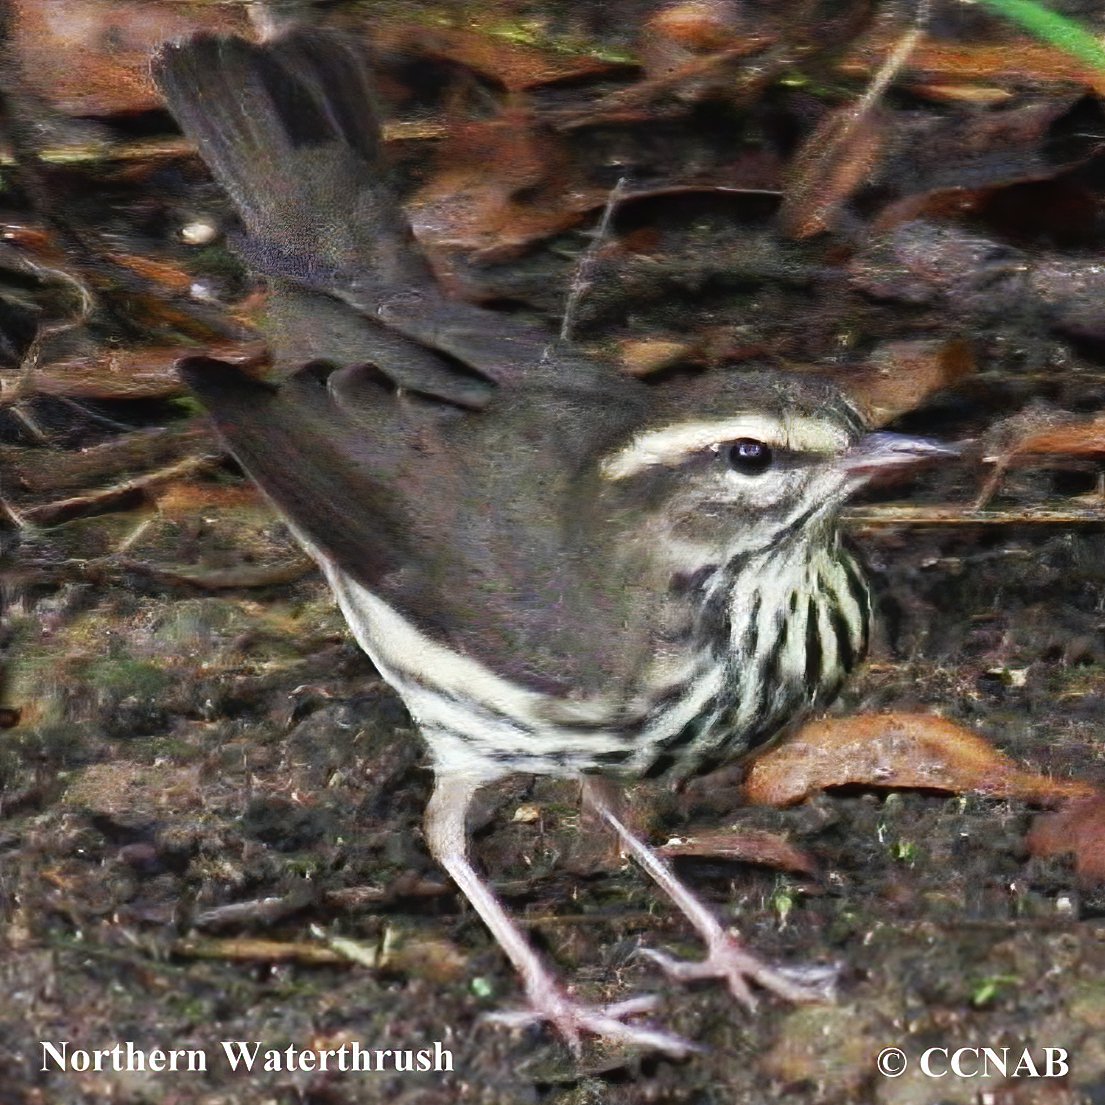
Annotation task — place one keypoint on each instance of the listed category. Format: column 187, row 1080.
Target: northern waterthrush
column 561, row 570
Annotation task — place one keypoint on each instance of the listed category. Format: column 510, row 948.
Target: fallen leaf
column 900, row 375
column 644, row 356
column 502, row 185
column 979, row 95
column 135, row 373
column 512, row 65
column 975, row 150
column 185, row 498
column 919, row 751
column 1019, row 62
column 837, row 157
column 170, row 277
column 437, row 960
column 92, row 57
column 746, row 846
column 1077, row 829
column 698, row 25
column 1076, row 438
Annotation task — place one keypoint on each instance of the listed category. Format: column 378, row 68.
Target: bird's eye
column 749, row 456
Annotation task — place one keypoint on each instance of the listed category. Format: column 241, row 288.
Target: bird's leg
column 447, row 839
column 726, row 957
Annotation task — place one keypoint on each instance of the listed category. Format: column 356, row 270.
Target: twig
column 644, row 92
column 99, row 153
column 251, row 575
column 912, row 514
column 11, row 516
column 26, row 420
column 266, row 951
column 153, row 149
column 34, row 470
column 890, row 68
column 581, row 278
column 992, row 483
column 136, row 532
column 63, row 510
column 93, row 416
column 114, row 567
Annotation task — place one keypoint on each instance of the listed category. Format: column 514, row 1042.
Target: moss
column 58, row 742
column 123, row 677
column 195, row 622
column 1087, row 1003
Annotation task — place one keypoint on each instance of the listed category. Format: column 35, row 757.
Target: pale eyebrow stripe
column 672, row 444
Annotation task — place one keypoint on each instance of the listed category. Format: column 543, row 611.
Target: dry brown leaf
column 1008, row 168
column 835, row 159
column 680, row 37
column 512, row 65
column 920, row 751
column 137, row 373
column 700, row 26
column 164, row 275
column 437, row 960
column 29, row 237
column 644, row 356
column 502, row 186
column 1084, row 437
column 1077, row 829
column 977, row 95
column 92, row 57
column 1019, row 63
column 946, row 204
column 185, row 498
column 746, row 846
column 900, row 375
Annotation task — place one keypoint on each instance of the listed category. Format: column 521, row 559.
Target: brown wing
column 458, row 505
column 467, row 523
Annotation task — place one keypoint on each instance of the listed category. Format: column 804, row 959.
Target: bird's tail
column 290, row 129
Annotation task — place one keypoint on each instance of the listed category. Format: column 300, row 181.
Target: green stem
column 1052, row 27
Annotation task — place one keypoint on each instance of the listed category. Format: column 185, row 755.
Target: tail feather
column 291, row 131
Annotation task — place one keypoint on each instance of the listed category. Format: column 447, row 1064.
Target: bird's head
column 737, row 463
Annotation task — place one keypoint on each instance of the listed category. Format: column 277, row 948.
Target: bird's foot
column 551, row 1005
column 727, row 959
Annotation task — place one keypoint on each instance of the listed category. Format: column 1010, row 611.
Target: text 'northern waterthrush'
column 560, row 569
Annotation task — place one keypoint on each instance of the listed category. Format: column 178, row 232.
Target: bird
column 560, row 569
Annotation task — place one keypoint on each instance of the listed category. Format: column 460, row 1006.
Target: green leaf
column 1052, row 27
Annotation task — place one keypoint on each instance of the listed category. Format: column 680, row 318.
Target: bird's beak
column 878, row 453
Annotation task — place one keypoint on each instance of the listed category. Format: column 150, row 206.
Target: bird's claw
column 727, row 959
column 572, row 1019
